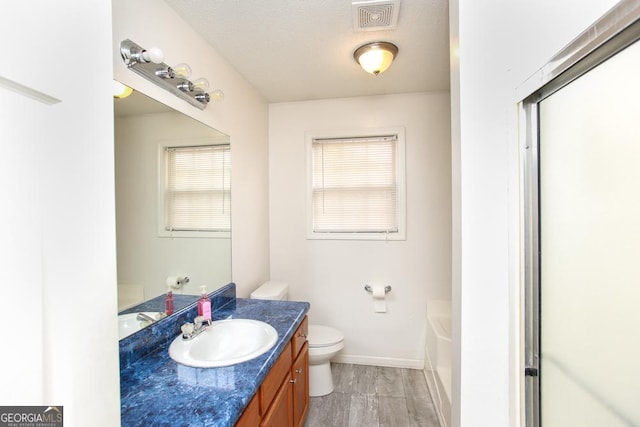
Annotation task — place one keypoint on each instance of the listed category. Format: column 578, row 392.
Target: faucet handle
column 198, row 321
column 187, row 329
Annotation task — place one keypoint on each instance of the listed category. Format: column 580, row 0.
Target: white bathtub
column 438, row 357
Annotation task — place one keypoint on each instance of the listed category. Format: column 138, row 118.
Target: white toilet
column 324, row 342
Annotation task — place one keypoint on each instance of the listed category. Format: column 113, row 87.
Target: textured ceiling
column 295, row 50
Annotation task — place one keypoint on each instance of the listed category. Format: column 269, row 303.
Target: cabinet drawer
column 274, row 379
column 300, row 336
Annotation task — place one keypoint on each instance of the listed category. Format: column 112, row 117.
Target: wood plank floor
column 374, row 396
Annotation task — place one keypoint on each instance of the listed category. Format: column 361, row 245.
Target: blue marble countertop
column 156, row 391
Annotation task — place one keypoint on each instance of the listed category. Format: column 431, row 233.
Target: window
column 195, row 191
column 356, row 185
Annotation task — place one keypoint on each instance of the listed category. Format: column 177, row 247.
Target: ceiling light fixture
column 376, row 57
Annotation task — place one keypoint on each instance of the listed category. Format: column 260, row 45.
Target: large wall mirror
column 146, row 256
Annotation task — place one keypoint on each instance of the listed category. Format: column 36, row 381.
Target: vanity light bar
column 149, row 65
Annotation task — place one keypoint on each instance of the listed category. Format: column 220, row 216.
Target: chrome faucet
column 192, row 330
column 144, row 317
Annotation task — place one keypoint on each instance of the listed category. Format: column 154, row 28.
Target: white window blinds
column 354, row 185
column 198, row 188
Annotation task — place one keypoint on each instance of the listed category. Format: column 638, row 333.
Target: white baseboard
column 379, row 361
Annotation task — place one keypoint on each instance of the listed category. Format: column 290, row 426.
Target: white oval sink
column 128, row 323
column 224, row 343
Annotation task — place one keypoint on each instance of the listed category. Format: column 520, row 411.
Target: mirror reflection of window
column 197, row 188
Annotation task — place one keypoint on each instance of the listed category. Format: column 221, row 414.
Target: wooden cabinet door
column 279, row 413
column 251, row 416
column 300, row 381
column 273, row 381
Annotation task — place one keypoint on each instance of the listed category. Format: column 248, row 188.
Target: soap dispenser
column 168, row 302
column 204, row 305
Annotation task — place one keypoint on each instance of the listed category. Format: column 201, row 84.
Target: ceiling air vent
column 375, row 15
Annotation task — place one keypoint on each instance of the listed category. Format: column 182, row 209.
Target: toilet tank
column 271, row 290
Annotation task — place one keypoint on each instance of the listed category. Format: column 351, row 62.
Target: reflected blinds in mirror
column 198, row 188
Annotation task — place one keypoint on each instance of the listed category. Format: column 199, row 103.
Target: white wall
column 144, row 258
column 58, row 248
column 496, row 46
column 331, row 274
column 21, row 248
column 243, row 115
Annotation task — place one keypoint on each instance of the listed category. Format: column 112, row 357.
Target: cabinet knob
column 293, row 381
column 299, row 371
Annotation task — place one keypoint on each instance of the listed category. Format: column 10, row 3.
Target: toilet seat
column 323, row 336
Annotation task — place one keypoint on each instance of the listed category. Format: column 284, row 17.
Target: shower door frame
column 616, row 30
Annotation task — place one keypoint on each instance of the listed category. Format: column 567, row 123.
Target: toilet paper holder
column 387, row 289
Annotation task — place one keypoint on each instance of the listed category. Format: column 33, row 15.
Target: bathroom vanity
column 283, row 397
column 270, row 390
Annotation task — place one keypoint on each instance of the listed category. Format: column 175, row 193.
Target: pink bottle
column 168, row 302
column 204, row 304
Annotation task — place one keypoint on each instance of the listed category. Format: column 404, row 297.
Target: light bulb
column 154, row 55
column 120, row 90
column 201, row 84
column 216, row 95
column 182, row 70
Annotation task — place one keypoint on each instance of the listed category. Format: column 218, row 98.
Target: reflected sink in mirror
column 224, row 343
column 133, row 322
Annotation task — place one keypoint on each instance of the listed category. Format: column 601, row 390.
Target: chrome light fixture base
column 161, row 74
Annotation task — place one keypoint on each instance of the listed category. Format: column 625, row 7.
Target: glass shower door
column 589, row 237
